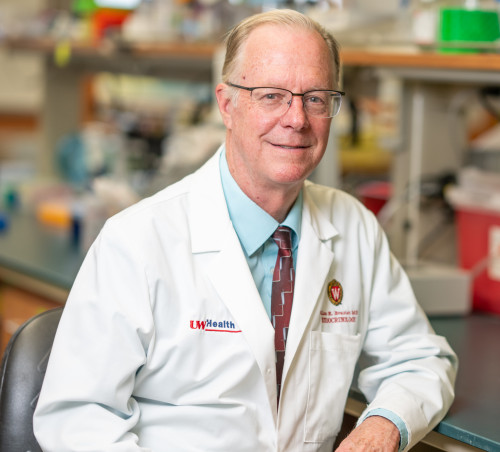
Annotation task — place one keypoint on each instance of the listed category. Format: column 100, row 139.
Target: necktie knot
column 283, row 237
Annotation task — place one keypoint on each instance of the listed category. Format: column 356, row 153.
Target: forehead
column 285, row 53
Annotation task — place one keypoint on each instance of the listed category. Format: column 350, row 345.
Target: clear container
column 425, row 22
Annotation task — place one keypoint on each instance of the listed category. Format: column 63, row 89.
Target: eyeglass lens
column 325, row 104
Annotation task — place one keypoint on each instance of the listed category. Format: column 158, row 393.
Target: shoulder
column 158, row 207
column 167, row 217
column 332, row 209
column 335, row 203
column 151, row 227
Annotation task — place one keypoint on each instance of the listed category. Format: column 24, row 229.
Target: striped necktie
column 282, row 296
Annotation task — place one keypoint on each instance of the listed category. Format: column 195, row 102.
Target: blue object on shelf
column 4, row 222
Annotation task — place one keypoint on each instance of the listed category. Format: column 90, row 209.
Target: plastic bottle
column 425, row 22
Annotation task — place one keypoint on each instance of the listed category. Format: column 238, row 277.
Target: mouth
column 285, row 146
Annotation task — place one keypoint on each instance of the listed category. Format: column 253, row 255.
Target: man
column 167, row 340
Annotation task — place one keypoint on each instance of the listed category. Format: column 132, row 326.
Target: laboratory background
column 105, row 102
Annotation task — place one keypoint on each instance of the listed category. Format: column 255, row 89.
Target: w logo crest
column 335, row 292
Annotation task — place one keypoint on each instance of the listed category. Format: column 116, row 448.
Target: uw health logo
column 225, row 326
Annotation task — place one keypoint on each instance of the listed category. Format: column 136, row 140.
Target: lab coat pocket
column 332, row 358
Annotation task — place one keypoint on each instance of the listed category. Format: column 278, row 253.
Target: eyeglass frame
column 342, row 93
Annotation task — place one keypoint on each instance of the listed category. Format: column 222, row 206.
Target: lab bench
column 38, row 265
column 472, row 423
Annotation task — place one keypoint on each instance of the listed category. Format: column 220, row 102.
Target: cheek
column 255, row 117
column 322, row 132
column 254, row 125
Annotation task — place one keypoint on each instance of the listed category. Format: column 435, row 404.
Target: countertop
column 474, row 417
column 40, row 252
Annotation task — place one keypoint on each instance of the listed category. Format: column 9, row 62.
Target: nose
column 295, row 116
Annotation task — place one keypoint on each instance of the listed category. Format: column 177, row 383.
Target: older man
column 228, row 312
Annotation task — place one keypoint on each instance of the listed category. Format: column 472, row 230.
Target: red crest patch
column 335, row 292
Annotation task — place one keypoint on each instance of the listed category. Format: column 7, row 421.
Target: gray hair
column 237, row 36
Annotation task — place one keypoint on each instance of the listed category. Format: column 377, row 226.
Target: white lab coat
column 165, row 345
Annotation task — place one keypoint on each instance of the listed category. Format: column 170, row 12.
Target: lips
column 286, row 146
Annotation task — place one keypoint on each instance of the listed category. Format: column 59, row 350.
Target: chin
column 292, row 175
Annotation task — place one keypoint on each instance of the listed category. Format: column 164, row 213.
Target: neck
column 276, row 203
column 275, row 199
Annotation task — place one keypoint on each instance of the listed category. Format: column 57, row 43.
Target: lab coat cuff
column 395, row 419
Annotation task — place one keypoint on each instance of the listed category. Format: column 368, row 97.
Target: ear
column 225, row 102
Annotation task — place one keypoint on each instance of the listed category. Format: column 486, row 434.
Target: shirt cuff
column 396, row 420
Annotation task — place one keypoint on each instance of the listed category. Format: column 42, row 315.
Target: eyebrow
column 305, row 91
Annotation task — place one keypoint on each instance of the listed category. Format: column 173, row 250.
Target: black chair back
column 22, row 372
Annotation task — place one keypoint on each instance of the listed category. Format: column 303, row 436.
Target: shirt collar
column 252, row 224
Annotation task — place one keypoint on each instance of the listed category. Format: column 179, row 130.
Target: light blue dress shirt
column 254, row 228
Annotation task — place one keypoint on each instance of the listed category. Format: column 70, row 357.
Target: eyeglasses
column 323, row 103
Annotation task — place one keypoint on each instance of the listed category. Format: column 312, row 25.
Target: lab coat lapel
column 233, row 281
column 212, row 231
column 314, row 261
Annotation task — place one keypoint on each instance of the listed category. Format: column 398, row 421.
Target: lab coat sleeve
column 405, row 367
column 101, row 342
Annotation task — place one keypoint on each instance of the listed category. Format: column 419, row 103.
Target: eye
column 270, row 95
column 315, row 99
column 275, row 96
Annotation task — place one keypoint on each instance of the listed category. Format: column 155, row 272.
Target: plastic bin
column 374, row 195
column 478, row 235
column 467, row 26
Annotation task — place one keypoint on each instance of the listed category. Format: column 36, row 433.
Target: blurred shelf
column 382, row 57
column 182, row 60
column 179, row 49
column 427, row 66
column 199, row 54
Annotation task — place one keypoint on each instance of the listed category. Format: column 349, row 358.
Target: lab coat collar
column 320, row 223
column 208, row 210
column 210, row 215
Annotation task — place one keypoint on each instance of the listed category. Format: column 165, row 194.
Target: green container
column 463, row 30
column 83, row 7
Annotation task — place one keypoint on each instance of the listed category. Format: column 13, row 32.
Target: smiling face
column 268, row 153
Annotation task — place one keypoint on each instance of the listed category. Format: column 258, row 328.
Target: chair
column 22, row 372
